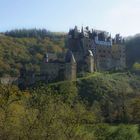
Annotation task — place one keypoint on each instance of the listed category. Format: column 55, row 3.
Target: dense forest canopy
column 26, row 48
column 37, row 33
column 97, row 107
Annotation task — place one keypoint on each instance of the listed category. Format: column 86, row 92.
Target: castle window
column 104, row 51
column 99, row 50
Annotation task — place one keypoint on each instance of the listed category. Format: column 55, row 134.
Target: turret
column 75, row 32
column 70, row 57
column 82, row 30
column 71, row 66
column 90, row 61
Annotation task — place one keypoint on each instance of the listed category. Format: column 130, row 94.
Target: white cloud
column 124, row 18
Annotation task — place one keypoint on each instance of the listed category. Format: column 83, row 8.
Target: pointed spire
column 89, row 53
column 70, row 57
column 82, row 30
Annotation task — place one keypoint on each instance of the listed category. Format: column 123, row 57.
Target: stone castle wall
column 109, row 53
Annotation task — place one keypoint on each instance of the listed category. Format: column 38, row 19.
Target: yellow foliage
column 136, row 66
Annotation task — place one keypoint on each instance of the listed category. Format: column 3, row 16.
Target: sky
column 114, row 16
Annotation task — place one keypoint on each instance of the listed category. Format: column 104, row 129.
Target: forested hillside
column 17, row 50
column 97, row 107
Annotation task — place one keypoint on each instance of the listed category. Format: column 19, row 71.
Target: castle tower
column 70, row 67
column 76, row 32
column 90, row 61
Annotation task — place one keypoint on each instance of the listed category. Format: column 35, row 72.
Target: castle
column 108, row 53
column 87, row 51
